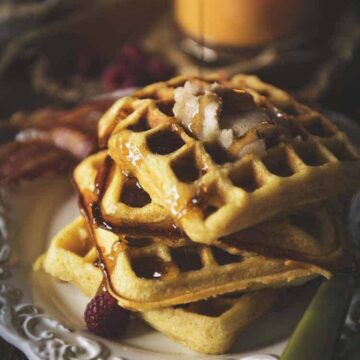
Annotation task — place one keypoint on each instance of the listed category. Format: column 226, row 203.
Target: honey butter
column 217, row 113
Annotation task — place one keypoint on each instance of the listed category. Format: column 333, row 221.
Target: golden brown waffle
column 144, row 273
column 316, row 235
column 209, row 326
column 72, row 257
column 124, row 204
column 211, row 194
column 151, row 269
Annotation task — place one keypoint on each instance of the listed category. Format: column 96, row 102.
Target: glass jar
column 231, row 25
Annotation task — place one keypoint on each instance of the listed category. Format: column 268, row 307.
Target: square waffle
column 316, row 235
column 72, row 257
column 144, row 273
column 207, row 191
column 147, row 270
column 123, row 202
column 210, row 326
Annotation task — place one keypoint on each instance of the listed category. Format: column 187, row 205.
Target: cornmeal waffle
column 124, row 204
column 209, row 326
column 71, row 257
column 145, row 273
column 152, row 269
column 210, row 193
column 316, row 235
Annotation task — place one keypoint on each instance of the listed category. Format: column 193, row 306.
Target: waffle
column 210, row 326
column 158, row 275
column 152, row 269
column 316, row 235
column 207, row 191
column 72, row 257
column 124, row 204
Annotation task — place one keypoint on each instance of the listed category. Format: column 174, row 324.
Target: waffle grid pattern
column 212, row 196
column 290, row 237
column 156, row 275
column 151, row 271
column 72, row 258
column 124, row 204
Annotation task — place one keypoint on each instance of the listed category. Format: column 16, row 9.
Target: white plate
column 37, row 312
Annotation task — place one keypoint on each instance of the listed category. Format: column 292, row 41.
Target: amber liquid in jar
column 239, row 24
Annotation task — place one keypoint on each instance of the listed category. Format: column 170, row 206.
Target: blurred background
column 64, row 52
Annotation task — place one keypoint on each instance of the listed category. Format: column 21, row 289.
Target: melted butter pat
column 214, row 112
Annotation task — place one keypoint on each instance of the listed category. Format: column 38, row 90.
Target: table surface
column 8, row 352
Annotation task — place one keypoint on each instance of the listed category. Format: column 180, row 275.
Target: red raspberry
column 104, row 317
column 118, row 76
column 132, row 57
column 134, row 67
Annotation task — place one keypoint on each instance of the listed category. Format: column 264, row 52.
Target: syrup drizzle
column 92, row 211
column 202, row 36
column 84, row 210
column 153, row 267
column 102, row 176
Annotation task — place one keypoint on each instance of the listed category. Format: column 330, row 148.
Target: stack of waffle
column 196, row 236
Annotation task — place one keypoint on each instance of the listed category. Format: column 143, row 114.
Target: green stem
column 317, row 333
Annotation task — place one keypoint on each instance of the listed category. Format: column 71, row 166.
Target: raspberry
column 132, row 57
column 104, row 317
column 118, row 76
column 133, row 67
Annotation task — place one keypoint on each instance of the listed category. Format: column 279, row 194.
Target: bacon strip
column 49, row 140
